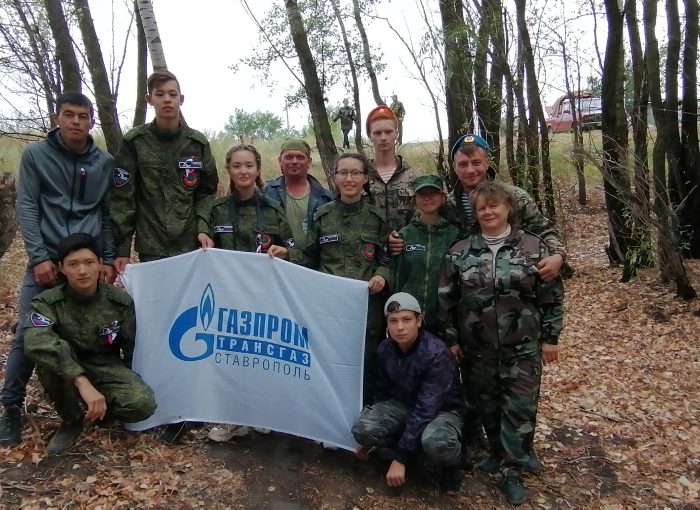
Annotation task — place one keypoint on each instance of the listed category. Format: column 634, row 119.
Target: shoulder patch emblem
column 369, row 250
column 40, row 321
column 120, row 177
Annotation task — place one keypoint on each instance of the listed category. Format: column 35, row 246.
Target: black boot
column 533, row 464
column 65, row 437
column 450, row 480
column 513, row 490
column 11, row 426
column 490, row 465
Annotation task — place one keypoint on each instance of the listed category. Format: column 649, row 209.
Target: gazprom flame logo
column 180, row 333
column 207, row 305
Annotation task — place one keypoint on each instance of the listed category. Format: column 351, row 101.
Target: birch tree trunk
column 141, row 70
column 150, row 27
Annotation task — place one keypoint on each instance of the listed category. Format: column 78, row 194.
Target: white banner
column 232, row 337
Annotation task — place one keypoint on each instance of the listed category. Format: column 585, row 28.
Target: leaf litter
column 618, row 423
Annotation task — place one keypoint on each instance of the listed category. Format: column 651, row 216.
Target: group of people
column 461, row 284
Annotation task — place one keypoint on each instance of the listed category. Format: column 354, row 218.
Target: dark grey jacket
column 59, row 193
column 426, row 378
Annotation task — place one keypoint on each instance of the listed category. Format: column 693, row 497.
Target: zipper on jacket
column 72, row 196
column 83, row 183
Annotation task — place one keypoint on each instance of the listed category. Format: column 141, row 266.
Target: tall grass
column 421, row 155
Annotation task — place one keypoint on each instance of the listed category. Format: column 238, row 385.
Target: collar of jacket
column 252, row 200
column 478, row 243
column 54, row 138
column 162, row 134
column 400, row 167
column 278, row 182
column 354, row 208
column 440, row 225
column 77, row 297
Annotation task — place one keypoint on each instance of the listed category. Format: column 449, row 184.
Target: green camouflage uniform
column 251, row 225
column 417, row 268
column 500, row 321
column 528, row 215
column 394, row 198
column 350, row 243
column 164, row 187
column 68, row 334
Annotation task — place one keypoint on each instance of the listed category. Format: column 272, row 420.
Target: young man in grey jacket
column 63, row 182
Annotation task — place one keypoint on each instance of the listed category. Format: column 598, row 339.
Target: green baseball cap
column 296, row 144
column 427, row 181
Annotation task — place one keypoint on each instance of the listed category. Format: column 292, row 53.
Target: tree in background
column 258, row 124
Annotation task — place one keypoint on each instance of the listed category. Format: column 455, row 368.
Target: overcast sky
column 203, row 39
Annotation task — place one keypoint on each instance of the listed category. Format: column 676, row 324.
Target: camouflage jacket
column 346, row 114
column 425, row 378
column 249, row 225
column 349, row 242
column 417, row 268
column 485, row 312
column 64, row 329
column 394, row 198
column 398, row 108
column 164, row 187
column 527, row 214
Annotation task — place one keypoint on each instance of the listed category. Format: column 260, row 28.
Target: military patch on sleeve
column 110, row 331
column 290, row 243
column 223, row 229
column 40, row 321
column 415, row 247
column 120, row 177
column 369, row 250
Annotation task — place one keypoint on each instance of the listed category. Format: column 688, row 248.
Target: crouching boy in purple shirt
column 418, row 404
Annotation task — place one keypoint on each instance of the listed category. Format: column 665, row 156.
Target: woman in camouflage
column 349, row 235
column 426, row 238
column 506, row 321
column 246, row 220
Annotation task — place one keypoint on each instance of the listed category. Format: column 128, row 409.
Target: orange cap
column 379, row 113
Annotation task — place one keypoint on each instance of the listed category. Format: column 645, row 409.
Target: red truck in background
column 588, row 110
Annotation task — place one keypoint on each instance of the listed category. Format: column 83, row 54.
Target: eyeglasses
column 355, row 174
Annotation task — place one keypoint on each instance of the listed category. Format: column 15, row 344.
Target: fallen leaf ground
column 619, row 422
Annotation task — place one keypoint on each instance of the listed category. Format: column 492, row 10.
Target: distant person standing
column 63, row 182
column 346, row 114
column 165, row 182
column 299, row 193
column 400, row 112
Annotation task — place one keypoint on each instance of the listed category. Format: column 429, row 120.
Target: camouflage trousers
column 382, row 423
column 128, row 397
column 505, row 392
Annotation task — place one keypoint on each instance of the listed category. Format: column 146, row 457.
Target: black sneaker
column 65, row 437
column 173, row 432
column 11, row 426
column 450, row 480
column 490, row 465
column 513, row 490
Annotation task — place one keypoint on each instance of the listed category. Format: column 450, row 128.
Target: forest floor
column 618, row 426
